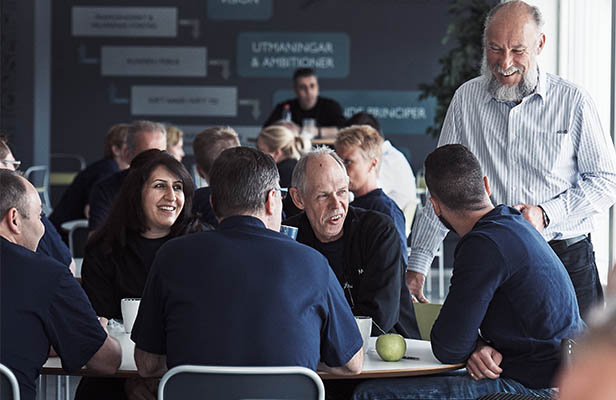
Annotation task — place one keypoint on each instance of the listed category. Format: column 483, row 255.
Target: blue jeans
column 579, row 261
column 457, row 385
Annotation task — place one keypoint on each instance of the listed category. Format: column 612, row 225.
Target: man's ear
column 540, row 43
column 12, row 220
column 374, row 162
column 487, row 185
column 201, row 173
column 297, row 198
column 270, row 203
column 436, row 205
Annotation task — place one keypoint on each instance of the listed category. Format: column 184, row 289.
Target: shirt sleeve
column 99, row 206
column 73, row 328
column 379, row 289
column 275, row 115
column 428, row 232
column 51, row 244
column 595, row 190
column 479, row 268
column 340, row 336
column 149, row 333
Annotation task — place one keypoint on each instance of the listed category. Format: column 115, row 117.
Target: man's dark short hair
column 364, row 118
column 209, row 143
column 116, row 136
column 303, row 73
column 454, row 177
column 13, row 193
column 240, row 180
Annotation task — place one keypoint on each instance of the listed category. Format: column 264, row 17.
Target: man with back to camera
column 141, row 136
column 362, row 246
column 541, row 143
column 308, row 104
column 510, row 302
column 272, row 301
column 207, row 146
column 42, row 305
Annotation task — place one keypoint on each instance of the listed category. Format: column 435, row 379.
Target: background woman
column 153, row 206
column 285, row 147
column 175, row 142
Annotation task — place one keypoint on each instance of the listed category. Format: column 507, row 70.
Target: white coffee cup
column 130, row 307
column 365, row 329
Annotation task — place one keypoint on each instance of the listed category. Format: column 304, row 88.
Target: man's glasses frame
column 14, row 163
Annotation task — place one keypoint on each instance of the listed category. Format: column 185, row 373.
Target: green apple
column 390, row 347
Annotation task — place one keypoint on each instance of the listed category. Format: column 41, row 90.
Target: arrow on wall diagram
column 83, row 58
column 196, row 26
column 113, row 96
column 255, row 104
column 226, row 72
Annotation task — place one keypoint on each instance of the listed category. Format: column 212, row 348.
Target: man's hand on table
column 533, row 214
column 415, row 283
column 484, row 362
column 138, row 388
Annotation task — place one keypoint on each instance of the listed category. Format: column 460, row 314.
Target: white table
column 374, row 367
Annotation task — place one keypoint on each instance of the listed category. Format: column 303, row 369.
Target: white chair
column 71, row 227
column 9, row 388
column 38, row 175
column 186, row 382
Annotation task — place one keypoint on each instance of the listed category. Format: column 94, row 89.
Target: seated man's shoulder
column 35, row 265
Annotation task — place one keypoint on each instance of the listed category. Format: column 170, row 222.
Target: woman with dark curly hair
column 153, row 206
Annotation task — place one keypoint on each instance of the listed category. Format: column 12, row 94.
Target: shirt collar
column 237, row 221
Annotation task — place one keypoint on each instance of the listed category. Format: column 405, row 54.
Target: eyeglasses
column 283, row 192
column 14, row 163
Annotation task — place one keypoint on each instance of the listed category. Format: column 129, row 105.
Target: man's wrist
column 546, row 219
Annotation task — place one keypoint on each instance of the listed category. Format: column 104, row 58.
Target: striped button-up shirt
column 549, row 150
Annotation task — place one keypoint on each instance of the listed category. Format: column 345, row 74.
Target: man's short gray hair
column 298, row 179
column 13, row 194
column 533, row 11
column 140, row 126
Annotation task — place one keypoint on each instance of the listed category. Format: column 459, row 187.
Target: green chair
column 426, row 314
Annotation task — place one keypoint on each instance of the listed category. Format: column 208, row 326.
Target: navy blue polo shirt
column 201, row 205
column 52, row 245
column 244, row 295
column 509, row 283
column 41, row 304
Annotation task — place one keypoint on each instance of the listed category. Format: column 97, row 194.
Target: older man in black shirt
column 362, row 246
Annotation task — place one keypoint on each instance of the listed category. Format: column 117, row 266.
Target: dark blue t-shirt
column 201, row 205
column 377, row 200
column 244, row 295
column 102, row 196
column 509, row 283
column 75, row 198
column 51, row 244
column 41, row 304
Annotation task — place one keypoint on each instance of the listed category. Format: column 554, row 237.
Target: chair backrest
column 9, row 388
column 188, row 382
column 426, row 314
column 38, row 175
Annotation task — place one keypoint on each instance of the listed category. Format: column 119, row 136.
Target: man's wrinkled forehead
column 325, row 171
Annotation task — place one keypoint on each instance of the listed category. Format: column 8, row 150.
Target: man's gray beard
column 511, row 93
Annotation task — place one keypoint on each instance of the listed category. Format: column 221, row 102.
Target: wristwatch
column 546, row 219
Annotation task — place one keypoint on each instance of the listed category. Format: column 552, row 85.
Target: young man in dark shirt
column 510, row 303
column 326, row 112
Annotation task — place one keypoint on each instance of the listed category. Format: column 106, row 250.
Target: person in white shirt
column 396, row 176
column 539, row 138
